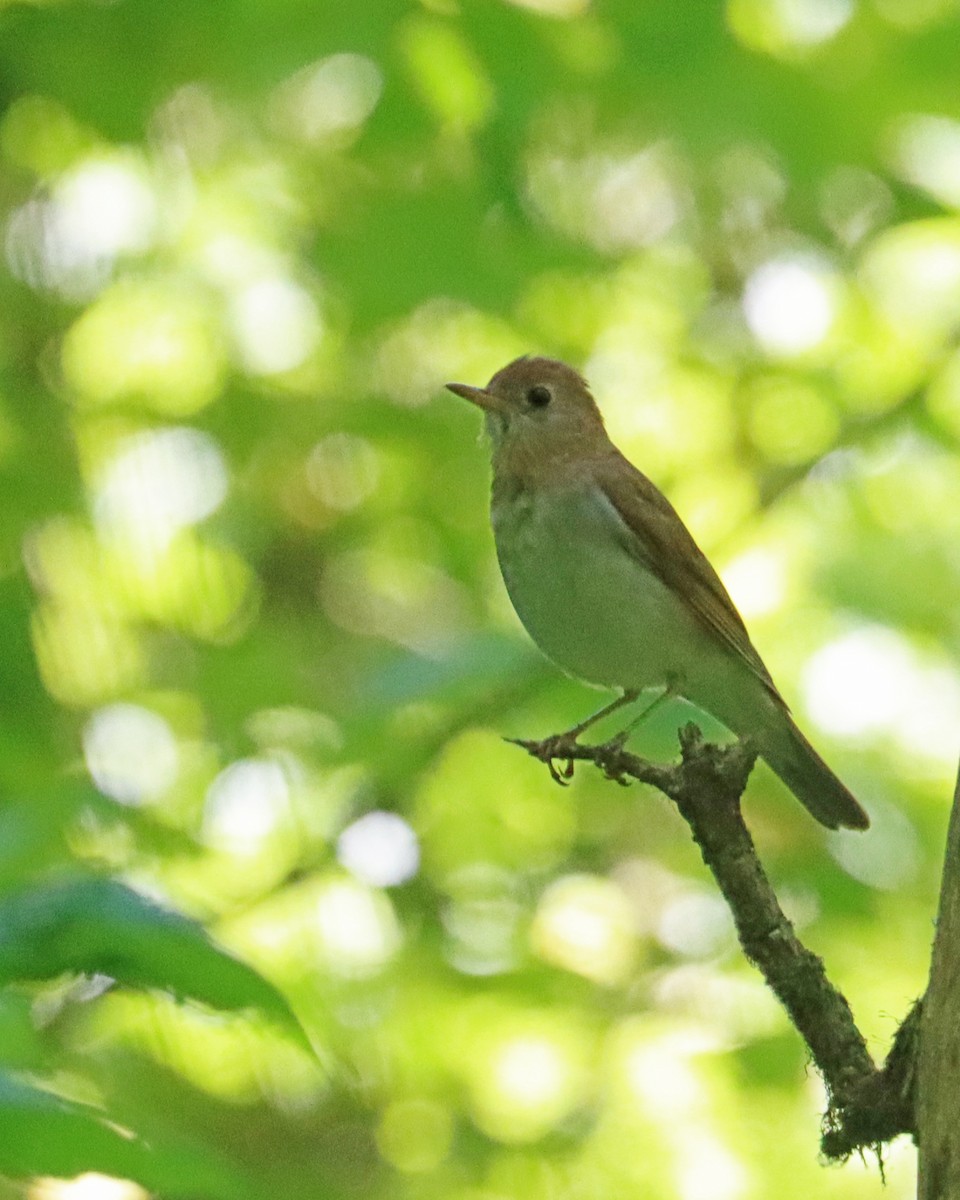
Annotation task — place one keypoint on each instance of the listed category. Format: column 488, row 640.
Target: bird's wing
column 654, row 534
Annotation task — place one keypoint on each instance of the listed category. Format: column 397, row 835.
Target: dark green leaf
column 100, row 926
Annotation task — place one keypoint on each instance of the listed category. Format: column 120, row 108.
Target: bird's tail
column 805, row 773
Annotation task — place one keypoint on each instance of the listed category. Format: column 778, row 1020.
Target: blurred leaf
column 101, row 926
column 44, row 1134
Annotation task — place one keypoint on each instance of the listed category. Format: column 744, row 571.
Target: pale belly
column 591, row 607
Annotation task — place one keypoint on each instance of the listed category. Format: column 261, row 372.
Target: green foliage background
column 248, row 595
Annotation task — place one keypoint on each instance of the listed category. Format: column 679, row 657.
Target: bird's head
column 537, row 408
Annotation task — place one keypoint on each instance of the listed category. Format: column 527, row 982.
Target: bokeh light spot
column 525, row 1082
column 89, row 1186
column 529, row 1070
column 616, row 200
column 107, row 205
column 356, row 929
column 131, row 753
column 790, row 305
column 925, row 150
column 695, row 924
column 245, row 804
column 277, row 325
column 157, row 483
column 328, row 100
column 853, row 684
column 380, row 849
column 886, row 856
column 583, row 923
column 662, row 1074
column 709, row 1170
column 756, row 581
column 786, row 27
column 68, row 239
column 871, row 682
column 911, row 272
column 147, row 342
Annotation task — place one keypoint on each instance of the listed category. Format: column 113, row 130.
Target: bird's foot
column 564, row 747
column 610, row 758
column 559, row 747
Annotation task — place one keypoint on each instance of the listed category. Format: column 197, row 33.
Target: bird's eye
column 539, row 396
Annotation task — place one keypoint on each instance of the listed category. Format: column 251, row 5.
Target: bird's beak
column 478, row 396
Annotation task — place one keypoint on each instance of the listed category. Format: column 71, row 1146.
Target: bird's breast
column 589, row 604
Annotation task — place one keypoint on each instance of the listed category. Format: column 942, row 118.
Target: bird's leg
column 559, row 745
column 627, row 697
column 671, row 689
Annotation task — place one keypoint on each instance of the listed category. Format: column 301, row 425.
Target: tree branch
column 867, row 1106
column 938, row 1129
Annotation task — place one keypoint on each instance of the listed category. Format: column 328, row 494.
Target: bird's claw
column 562, row 775
column 552, row 750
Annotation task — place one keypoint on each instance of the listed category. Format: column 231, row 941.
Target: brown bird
column 610, row 584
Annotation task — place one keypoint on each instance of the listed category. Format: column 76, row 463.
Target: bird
column 612, row 587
